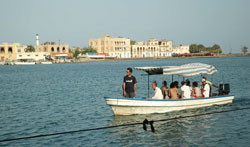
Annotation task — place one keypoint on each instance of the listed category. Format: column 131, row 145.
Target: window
column 19, row 50
column 52, row 49
column 10, row 49
column 20, row 55
column 2, row 50
column 58, row 49
column 28, row 55
column 64, row 49
column 36, row 55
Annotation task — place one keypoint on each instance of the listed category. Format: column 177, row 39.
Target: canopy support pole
column 148, row 85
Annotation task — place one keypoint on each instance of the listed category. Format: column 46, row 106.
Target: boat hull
column 125, row 106
column 24, row 63
column 46, row 62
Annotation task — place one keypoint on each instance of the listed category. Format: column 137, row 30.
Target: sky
column 224, row 22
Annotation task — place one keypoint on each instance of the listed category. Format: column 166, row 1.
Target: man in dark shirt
column 129, row 84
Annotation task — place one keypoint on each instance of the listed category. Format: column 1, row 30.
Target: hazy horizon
column 224, row 22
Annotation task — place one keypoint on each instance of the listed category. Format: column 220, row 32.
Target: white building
column 152, row 48
column 157, row 48
column 37, row 56
column 180, row 49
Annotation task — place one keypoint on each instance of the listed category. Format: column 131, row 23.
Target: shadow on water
column 207, row 129
column 174, row 132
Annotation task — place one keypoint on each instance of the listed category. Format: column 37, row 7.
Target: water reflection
column 177, row 132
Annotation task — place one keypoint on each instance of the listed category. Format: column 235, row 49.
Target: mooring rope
column 144, row 123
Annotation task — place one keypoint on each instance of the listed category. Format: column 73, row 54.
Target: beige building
column 9, row 51
column 53, row 48
column 16, row 51
column 116, row 47
column 152, row 48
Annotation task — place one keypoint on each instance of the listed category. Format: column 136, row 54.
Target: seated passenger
column 164, row 90
column 185, row 91
column 173, row 92
column 196, row 91
column 205, row 88
column 176, row 84
column 157, row 91
column 188, row 83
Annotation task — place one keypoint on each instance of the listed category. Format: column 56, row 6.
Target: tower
column 37, row 40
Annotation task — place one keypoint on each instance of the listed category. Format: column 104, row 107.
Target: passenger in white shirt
column 206, row 89
column 157, row 91
column 185, row 91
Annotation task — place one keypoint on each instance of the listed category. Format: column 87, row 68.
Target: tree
column 216, row 49
column 244, row 49
column 201, row 48
column 193, row 48
column 76, row 53
column 30, row 48
column 132, row 42
column 88, row 50
column 46, row 43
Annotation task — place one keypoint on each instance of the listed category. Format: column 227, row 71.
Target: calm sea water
column 41, row 99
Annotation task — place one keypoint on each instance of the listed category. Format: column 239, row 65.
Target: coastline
column 87, row 60
column 157, row 58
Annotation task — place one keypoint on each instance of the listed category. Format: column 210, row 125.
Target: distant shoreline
column 157, row 58
column 87, row 60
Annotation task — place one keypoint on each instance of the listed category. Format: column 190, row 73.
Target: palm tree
column 244, row 50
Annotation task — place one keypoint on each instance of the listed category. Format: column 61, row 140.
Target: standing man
column 205, row 89
column 208, row 82
column 210, row 85
column 129, row 84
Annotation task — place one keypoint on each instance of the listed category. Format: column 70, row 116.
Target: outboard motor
column 224, row 89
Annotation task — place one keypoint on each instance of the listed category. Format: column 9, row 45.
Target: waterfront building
column 116, row 47
column 157, row 48
column 53, row 48
column 182, row 49
column 37, row 56
column 56, row 50
column 152, row 48
column 16, row 51
column 9, row 51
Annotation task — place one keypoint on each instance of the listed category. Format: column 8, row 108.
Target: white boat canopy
column 185, row 70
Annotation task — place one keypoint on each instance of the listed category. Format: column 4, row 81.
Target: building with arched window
column 9, row 51
column 53, row 48
column 116, row 47
column 156, row 48
column 152, row 48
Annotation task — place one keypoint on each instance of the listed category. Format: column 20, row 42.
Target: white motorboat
column 46, row 62
column 129, row 106
column 24, row 63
